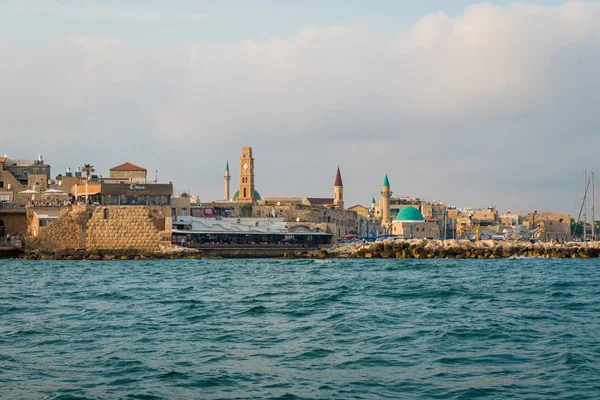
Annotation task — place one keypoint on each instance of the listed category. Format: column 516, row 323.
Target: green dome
column 256, row 195
column 409, row 214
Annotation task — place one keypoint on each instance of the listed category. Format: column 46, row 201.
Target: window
column 110, row 199
column 245, row 193
column 1, row 184
column 158, row 200
column 133, row 200
column 106, row 213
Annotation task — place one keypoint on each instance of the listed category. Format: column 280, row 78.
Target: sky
column 458, row 101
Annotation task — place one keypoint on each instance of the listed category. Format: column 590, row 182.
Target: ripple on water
column 300, row 329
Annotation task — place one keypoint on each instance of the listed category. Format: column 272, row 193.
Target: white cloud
column 463, row 109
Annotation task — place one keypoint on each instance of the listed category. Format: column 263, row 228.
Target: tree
column 88, row 169
column 184, row 194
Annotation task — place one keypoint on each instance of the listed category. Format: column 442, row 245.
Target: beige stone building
column 553, row 226
column 410, row 224
column 509, row 219
column 19, row 175
column 180, row 207
column 131, row 172
column 362, row 211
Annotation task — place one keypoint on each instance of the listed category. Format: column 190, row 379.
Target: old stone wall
column 66, row 233
column 339, row 222
column 104, row 228
column 126, row 227
column 13, row 223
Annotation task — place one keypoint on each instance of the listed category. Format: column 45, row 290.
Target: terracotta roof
column 2, row 159
column 127, row 167
column 319, row 201
column 338, row 178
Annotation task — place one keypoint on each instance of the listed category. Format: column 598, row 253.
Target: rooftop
column 320, row 201
column 127, row 167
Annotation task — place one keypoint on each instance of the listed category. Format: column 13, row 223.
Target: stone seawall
column 461, row 249
column 125, row 228
column 139, row 228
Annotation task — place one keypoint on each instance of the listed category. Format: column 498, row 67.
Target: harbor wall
column 140, row 228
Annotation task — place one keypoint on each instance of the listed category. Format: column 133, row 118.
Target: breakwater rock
column 397, row 248
column 171, row 252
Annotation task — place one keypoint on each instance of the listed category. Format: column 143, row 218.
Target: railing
column 11, row 207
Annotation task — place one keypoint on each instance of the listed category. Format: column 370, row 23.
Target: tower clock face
column 245, row 166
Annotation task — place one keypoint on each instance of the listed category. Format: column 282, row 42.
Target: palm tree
column 88, row 169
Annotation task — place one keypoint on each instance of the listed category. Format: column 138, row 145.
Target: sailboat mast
column 584, row 205
column 593, row 209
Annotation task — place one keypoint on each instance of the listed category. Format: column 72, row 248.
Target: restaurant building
column 124, row 194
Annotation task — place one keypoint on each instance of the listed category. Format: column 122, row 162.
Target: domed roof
column 409, row 214
column 256, row 195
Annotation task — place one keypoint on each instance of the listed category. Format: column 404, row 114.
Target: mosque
column 409, row 223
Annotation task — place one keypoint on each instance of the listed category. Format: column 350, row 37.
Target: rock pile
column 165, row 252
column 396, row 248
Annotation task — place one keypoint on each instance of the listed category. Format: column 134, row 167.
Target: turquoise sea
column 300, row 329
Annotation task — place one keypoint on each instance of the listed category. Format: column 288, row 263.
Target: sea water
column 300, row 329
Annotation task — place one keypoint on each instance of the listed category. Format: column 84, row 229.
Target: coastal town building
column 17, row 176
column 180, row 207
column 196, row 232
column 410, row 224
column 129, row 172
column 124, row 194
column 551, row 226
column 511, row 219
column 327, row 210
column 361, row 210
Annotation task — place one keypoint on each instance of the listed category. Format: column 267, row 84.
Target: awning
column 80, row 190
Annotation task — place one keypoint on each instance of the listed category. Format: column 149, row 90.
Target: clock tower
column 246, row 193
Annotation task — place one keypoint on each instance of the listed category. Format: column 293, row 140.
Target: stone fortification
column 126, row 227
column 66, row 233
column 110, row 228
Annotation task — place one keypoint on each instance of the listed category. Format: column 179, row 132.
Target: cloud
column 474, row 109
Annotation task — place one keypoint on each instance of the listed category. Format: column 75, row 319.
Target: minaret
column 385, row 201
column 338, row 190
column 227, row 178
